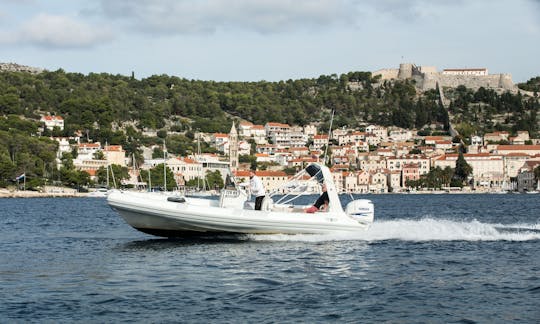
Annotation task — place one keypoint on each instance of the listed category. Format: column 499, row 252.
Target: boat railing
column 230, row 193
column 292, row 190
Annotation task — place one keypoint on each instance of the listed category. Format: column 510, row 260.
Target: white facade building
column 53, row 121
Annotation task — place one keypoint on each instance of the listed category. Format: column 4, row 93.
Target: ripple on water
column 441, row 258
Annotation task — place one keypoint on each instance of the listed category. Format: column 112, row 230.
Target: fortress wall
column 493, row 81
column 386, row 74
column 428, row 69
column 429, row 81
column 471, row 81
column 427, row 77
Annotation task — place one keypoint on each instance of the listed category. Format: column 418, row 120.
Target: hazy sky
column 243, row 40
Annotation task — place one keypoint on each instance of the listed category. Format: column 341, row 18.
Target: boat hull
column 154, row 214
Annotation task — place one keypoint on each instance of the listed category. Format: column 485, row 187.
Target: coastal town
column 183, row 161
column 375, row 159
column 365, row 158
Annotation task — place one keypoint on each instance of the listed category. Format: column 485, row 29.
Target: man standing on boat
column 257, row 189
column 322, row 202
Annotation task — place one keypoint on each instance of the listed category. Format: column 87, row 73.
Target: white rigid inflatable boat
column 177, row 216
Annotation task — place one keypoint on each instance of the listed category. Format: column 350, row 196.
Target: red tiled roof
column 187, row 160
column 94, row 145
column 117, row 148
column 272, row 124
column 320, row 137
column 261, row 173
column 434, row 138
column 518, row 147
column 466, row 69
column 91, row 172
column 52, row 118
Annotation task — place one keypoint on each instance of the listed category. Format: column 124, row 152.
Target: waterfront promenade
column 67, row 192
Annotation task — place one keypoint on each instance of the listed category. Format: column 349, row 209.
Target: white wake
column 427, row 229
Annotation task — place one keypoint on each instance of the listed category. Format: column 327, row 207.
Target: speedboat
column 99, row 193
column 177, row 216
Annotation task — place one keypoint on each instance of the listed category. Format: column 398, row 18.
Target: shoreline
column 4, row 193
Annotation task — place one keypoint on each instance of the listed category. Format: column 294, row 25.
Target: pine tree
column 463, row 169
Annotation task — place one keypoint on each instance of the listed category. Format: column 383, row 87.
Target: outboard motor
column 361, row 210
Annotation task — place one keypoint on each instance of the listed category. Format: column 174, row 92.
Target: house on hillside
column 53, row 121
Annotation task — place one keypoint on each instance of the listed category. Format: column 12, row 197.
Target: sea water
column 426, row 259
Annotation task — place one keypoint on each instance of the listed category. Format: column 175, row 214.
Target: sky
column 272, row 40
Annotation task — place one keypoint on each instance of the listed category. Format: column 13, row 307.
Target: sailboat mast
column 198, row 159
column 107, row 164
column 329, row 132
column 164, row 167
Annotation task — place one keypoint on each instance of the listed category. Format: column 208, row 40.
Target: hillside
column 100, row 103
column 116, row 109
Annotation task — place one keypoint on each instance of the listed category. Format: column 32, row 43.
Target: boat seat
column 283, row 208
column 249, row 205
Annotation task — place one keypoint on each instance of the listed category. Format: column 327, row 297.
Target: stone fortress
column 427, row 77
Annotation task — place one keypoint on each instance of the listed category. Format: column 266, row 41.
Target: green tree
column 195, row 183
column 251, row 159
column 116, row 174
column 162, row 133
column 7, row 169
column 74, row 178
column 99, row 155
column 462, row 170
column 537, row 173
column 156, row 179
column 157, row 153
column 214, row 179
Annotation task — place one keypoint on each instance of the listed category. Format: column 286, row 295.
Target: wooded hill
column 115, row 109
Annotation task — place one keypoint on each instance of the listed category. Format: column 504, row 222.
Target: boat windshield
column 314, row 171
column 299, row 185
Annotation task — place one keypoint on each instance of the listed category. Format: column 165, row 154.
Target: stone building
column 427, row 77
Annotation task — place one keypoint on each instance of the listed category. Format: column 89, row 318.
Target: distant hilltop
column 14, row 67
column 427, row 77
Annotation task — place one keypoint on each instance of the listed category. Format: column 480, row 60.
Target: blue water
column 426, row 259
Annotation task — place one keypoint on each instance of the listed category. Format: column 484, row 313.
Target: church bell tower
column 233, row 148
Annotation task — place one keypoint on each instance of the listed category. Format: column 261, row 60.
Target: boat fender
column 176, row 199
